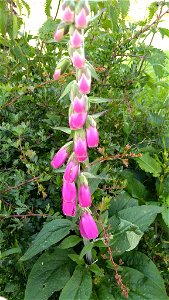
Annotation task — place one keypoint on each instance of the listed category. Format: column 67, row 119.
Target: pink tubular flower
column 80, row 149
column 57, row 74
column 88, row 227
column 67, row 15
column 76, row 121
column 79, row 105
column 71, row 171
column 84, row 84
column 69, row 192
column 78, row 60
column 69, row 208
column 81, row 20
column 58, row 35
column 59, row 158
column 84, row 196
column 76, row 39
column 92, row 137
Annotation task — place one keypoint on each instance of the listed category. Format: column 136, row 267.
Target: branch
column 19, row 185
column 25, row 216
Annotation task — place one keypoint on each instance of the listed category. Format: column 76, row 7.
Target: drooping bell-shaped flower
column 68, row 191
column 79, row 104
column 84, row 80
column 67, row 12
column 87, row 226
column 76, row 120
column 72, row 169
column 69, row 208
column 84, row 195
column 61, row 30
column 76, row 38
column 60, row 157
column 61, row 67
column 78, row 59
column 80, row 146
column 92, row 135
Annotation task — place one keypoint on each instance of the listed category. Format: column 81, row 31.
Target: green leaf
column 50, row 273
column 92, row 70
column 152, row 10
column 50, row 234
column 97, row 15
column 85, row 249
column 96, row 270
column 149, row 164
column 76, row 259
column 114, row 14
column 63, row 129
column 122, row 201
column 25, row 4
column 48, row 7
column 70, row 241
column 124, row 7
column 128, row 226
column 79, row 286
column 134, row 187
column 165, row 213
column 10, row 252
column 99, row 114
column 99, row 100
column 142, row 278
column 67, row 89
column 158, row 61
column 102, row 291
column 164, row 32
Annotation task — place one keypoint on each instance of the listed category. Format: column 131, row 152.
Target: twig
column 25, row 216
column 57, row 10
column 117, row 156
column 19, row 185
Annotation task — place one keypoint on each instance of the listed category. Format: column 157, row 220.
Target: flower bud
column 76, row 38
column 84, row 196
column 80, row 146
column 71, row 171
column 69, row 192
column 92, row 136
column 61, row 67
column 88, row 227
column 61, row 30
column 77, row 120
column 84, row 81
column 78, row 59
column 69, row 208
column 81, row 19
column 60, row 157
column 67, row 13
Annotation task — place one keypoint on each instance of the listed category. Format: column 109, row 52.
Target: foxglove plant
column 75, row 190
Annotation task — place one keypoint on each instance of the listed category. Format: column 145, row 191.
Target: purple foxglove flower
column 81, row 19
column 80, row 149
column 76, row 121
column 67, row 15
column 79, row 105
column 59, row 158
column 78, row 60
column 61, row 30
column 69, row 192
column 76, row 39
column 69, row 208
column 88, row 227
column 84, row 196
column 57, row 74
column 71, row 171
column 92, row 137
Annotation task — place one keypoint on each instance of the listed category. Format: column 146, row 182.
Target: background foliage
column 130, row 169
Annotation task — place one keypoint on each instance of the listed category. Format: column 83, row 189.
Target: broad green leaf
column 50, row 273
column 142, row 278
column 165, row 213
column 164, row 32
column 95, row 181
column 76, row 259
column 70, row 241
column 92, row 70
column 67, row 90
column 64, row 129
column 99, row 100
column 152, row 10
column 79, row 286
column 158, row 61
column 122, row 201
column 134, row 187
column 128, row 226
column 50, row 234
column 149, row 164
column 102, row 291
column 96, row 270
